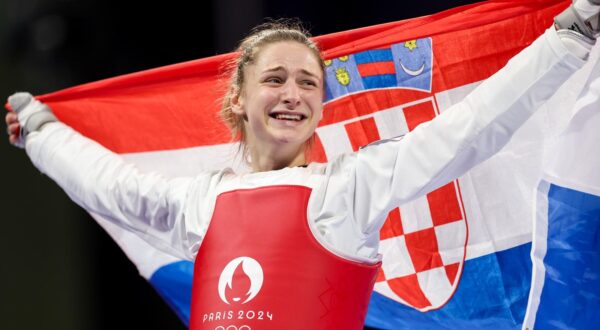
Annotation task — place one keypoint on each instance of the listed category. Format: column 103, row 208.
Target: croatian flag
column 456, row 258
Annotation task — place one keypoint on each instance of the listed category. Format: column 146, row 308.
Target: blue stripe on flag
column 492, row 294
column 376, row 55
column 379, row 81
column 174, row 283
column 570, row 296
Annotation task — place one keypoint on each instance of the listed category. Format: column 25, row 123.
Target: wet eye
column 274, row 80
column 309, row 83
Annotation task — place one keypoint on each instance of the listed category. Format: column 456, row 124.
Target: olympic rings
column 233, row 327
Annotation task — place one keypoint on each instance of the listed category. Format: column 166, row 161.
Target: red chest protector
column 260, row 267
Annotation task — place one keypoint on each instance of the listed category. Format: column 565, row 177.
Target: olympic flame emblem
column 240, row 280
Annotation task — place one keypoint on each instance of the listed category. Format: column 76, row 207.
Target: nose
column 290, row 95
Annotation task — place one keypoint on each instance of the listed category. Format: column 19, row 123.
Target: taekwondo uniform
column 297, row 248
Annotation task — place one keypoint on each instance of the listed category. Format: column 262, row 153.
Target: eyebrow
column 304, row 71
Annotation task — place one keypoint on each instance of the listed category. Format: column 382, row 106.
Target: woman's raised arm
column 390, row 173
column 100, row 181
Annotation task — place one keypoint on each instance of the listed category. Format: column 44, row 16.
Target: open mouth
column 287, row 116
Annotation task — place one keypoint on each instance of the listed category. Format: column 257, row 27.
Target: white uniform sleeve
column 102, row 182
column 384, row 175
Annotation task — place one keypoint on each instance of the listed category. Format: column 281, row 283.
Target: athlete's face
column 282, row 95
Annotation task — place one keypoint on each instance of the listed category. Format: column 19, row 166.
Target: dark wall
column 58, row 269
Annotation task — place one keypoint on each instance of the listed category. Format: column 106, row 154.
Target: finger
column 13, row 129
column 12, row 139
column 10, row 118
column 13, row 122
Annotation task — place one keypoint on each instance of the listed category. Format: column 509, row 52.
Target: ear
column 237, row 103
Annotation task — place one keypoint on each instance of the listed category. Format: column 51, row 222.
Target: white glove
column 582, row 17
column 578, row 26
column 31, row 114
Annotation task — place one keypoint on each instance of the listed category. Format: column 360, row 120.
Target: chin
column 290, row 136
column 290, row 140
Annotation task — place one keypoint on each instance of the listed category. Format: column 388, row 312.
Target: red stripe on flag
column 408, row 288
column 443, row 205
column 176, row 106
column 512, row 15
column 418, row 113
column 392, row 226
column 362, row 132
column 376, row 68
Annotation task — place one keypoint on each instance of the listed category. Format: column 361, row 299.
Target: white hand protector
column 578, row 26
column 582, row 17
column 31, row 113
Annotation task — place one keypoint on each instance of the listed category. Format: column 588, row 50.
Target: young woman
column 302, row 238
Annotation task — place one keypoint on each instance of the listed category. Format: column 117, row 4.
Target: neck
column 276, row 158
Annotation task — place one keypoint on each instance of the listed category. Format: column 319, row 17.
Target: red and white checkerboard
column 423, row 242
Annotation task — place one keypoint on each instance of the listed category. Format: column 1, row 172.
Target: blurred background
column 58, row 269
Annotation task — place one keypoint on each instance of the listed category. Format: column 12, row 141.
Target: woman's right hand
column 12, row 127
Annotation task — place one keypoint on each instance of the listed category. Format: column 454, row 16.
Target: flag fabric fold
column 565, row 290
column 456, row 258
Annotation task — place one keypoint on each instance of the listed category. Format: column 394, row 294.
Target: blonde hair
column 248, row 50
